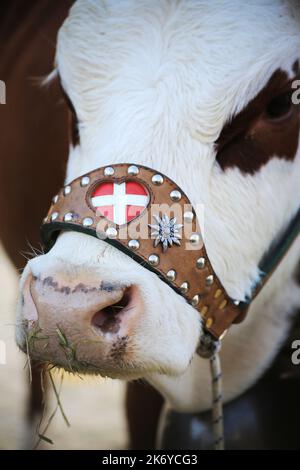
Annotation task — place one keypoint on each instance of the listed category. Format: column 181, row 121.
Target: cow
column 202, row 92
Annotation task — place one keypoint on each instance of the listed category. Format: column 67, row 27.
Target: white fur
column 153, row 82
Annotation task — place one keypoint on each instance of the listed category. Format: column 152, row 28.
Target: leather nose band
column 172, row 252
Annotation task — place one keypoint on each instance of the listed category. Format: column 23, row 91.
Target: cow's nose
column 80, row 309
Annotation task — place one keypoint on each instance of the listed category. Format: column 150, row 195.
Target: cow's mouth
column 109, row 319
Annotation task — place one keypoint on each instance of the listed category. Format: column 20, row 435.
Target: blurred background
column 94, row 406
column 34, row 129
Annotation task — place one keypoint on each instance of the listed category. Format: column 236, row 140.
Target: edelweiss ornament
column 166, row 231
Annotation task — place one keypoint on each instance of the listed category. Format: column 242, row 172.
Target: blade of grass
column 58, row 399
column 46, row 439
column 49, row 420
column 28, row 360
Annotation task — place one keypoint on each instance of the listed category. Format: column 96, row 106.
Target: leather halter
column 182, row 263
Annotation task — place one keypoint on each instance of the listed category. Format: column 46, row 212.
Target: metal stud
column 55, row 199
column 204, row 310
column 85, row 181
column 111, row 232
column 54, row 216
column 195, row 300
column 209, row 280
column 209, row 322
column 67, row 190
column 217, row 293
column 134, row 244
column 175, row 195
column 195, row 238
column 223, row 304
column 109, row 171
column 184, row 287
column 87, row 222
column 157, row 179
column 171, row 275
column 188, row 216
column 69, row 216
column 133, row 170
column 236, row 302
column 200, row 263
column 153, row 260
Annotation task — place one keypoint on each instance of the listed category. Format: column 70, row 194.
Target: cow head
column 200, row 91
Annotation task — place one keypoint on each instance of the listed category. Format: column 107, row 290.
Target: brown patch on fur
column 251, row 139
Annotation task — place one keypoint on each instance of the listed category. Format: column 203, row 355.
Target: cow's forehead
column 216, row 52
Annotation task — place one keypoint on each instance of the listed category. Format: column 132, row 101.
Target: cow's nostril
column 109, row 319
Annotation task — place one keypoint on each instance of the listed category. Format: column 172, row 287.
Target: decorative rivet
column 217, row 293
column 111, row 232
column 209, row 322
column 171, row 275
column 153, row 260
column 195, row 300
column 109, row 171
column 223, row 304
column 85, row 181
column 195, row 238
column 209, row 280
column 55, row 199
column 134, row 244
column 133, row 170
column 157, row 179
column 184, row 287
column 204, row 310
column 175, row 195
column 69, row 216
column 87, row 222
column 200, row 263
column 54, row 216
column 236, row 302
column 67, row 190
column 188, row 216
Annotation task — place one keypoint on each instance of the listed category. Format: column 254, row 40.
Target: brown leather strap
column 185, row 267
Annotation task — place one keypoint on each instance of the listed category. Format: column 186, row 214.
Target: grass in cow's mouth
column 42, row 434
column 31, row 337
column 34, row 335
column 76, row 365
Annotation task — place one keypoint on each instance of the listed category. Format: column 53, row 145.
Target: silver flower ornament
column 165, row 231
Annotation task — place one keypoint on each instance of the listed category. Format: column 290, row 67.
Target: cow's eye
column 280, row 107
